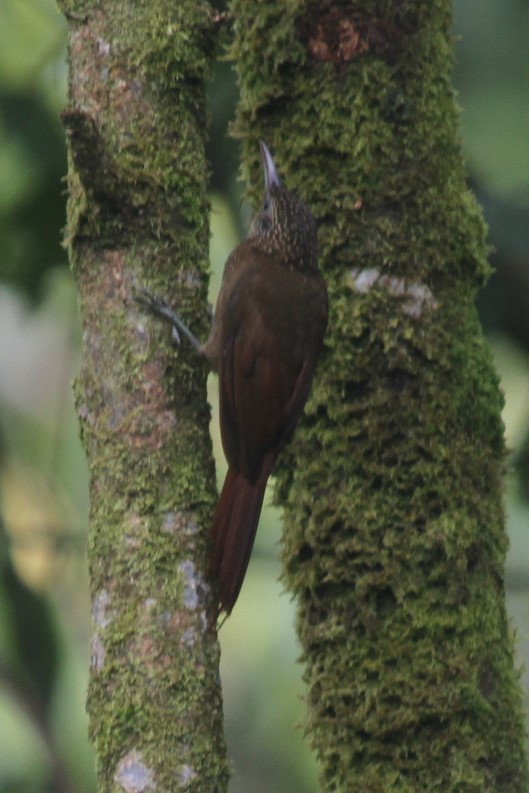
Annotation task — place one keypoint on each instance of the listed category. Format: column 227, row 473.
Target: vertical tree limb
column 137, row 216
column 394, row 541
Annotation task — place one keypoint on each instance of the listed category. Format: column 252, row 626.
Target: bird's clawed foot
column 158, row 306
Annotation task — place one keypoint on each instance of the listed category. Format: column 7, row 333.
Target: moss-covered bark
column 394, row 541
column 138, row 216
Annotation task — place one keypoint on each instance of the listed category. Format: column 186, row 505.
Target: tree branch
column 394, row 540
column 138, row 216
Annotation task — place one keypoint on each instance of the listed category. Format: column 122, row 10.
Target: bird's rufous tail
column 233, row 533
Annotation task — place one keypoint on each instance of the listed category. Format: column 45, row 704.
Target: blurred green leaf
column 31, row 32
column 34, row 640
column 505, row 109
column 33, row 203
column 262, row 689
column 492, row 79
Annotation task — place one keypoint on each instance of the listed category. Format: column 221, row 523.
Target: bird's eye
column 267, row 203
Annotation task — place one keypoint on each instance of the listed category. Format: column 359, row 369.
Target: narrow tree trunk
column 394, row 541
column 138, row 217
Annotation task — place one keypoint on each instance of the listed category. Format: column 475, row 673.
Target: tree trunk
column 138, row 217
column 394, row 542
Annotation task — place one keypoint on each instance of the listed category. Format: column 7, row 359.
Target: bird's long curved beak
column 269, row 168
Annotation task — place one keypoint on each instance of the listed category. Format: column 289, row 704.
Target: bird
column 265, row 339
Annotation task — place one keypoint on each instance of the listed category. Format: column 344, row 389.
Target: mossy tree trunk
column 394, row 542
column 136, row 125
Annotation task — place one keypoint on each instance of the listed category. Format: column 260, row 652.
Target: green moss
column 394, row 540
column 138, row 217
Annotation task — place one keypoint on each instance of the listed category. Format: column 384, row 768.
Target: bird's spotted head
column 283, row 227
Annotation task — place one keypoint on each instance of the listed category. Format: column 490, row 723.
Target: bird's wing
column 265, row 378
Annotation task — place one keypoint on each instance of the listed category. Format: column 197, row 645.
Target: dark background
column 43, row 477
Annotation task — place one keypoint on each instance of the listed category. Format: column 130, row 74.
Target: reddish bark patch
column 340, row 35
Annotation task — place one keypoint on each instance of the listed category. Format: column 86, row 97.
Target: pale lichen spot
column 188, row 637
column 100, row 613
column 363, row 280
column 191, row 583
column 97, row 653
column 186, row 774
column 133, row 775
column 103, row 47
column 419, row 296
column 415, row 296
column 179, row 523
